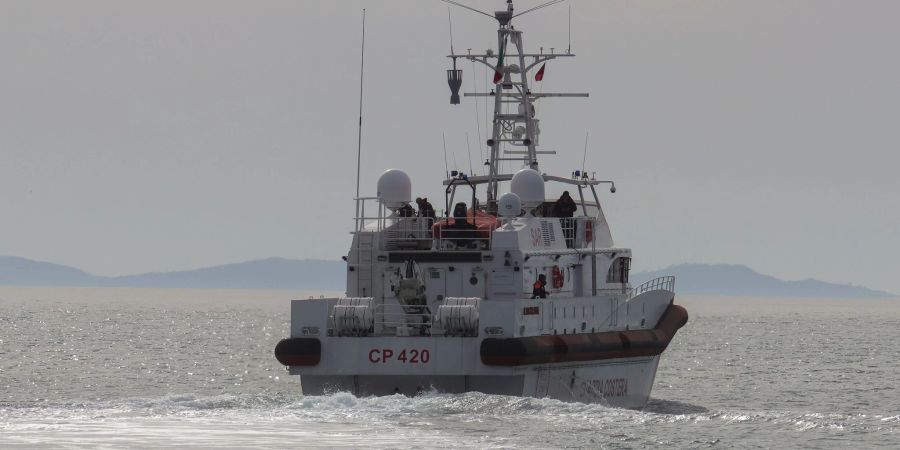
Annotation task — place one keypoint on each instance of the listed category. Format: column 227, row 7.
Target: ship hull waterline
column 624, row 383
column 616, row 368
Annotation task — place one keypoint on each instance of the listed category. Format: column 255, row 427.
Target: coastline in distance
column 284, row 273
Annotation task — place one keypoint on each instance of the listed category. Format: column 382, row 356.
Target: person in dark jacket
column 426, row 212
column 425, row 209
column 565, row 208
column 461, row 232
column 406, row 211
column 461, row 217
column 539, row 289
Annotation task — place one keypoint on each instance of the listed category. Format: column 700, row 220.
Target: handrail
column 415, row 233
column 666, row 283
column 361, row 218
column 401, row 318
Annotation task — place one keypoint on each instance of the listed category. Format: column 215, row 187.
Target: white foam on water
column 470, row 420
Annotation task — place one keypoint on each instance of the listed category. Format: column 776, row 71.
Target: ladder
column 365, row 251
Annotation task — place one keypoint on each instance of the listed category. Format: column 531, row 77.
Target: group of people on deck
column 425, row 210
column 564, row 208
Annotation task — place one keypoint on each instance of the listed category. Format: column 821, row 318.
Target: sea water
column 114, row 368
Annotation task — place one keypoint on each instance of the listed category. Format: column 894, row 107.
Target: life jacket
column 557, row 278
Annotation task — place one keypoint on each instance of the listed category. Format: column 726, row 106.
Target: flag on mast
column 540, row 73
column 498, row 71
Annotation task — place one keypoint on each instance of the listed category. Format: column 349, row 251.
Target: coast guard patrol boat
column 453, row 303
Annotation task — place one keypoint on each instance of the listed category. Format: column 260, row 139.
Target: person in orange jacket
column 539, row 289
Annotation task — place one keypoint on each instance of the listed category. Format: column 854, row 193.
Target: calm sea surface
column 84, row 367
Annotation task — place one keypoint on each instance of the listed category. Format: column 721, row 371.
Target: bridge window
column 618, row 270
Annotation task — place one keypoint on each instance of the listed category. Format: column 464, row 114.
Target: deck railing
column 578, row 232
column 415, row 323
column 416, row 233
column 666, row 283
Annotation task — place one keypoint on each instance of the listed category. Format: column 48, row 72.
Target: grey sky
column 140, row 136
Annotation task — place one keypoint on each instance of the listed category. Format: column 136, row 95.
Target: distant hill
column 281, row 273
column 21, row 271
column 270, row 273
column 736, row 280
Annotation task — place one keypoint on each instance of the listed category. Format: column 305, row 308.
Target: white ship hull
column 613, row 365
column 625, row 382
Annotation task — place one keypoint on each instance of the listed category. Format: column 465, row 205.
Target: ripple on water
column 149, row 368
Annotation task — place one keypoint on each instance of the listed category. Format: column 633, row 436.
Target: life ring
column 557, row 278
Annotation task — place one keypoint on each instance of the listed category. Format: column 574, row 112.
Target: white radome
column 394, row 188
column 509, row 205
column 528, row 184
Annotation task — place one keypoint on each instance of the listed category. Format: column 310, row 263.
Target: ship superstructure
column 501, row 293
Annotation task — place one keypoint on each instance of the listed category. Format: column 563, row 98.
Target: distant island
column 737, row 280
column 270, row 273
column 313, row 274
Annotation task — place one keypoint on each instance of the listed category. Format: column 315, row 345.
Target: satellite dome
column 528, row 184
column 394, row 188
column 509, row 205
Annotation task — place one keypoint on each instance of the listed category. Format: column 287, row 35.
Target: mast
column 519, row 127
column 362, row 65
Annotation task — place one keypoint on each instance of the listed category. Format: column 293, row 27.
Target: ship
column 506, row 292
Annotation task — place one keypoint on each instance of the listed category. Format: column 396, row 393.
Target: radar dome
column 509, row 205
column 528, row 184
column 394, row 188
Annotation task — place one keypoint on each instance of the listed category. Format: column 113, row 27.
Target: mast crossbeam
column 526, row 55
column 531, row 95
column 522, row 152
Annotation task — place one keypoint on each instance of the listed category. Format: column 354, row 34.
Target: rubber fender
column 584, row 346
column 299, row 351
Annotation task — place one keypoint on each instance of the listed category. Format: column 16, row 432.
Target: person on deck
column 539, row 288
column 565, row 208
column 425, row 209
column 461, row 217
column 406, row 211
column 461, row 232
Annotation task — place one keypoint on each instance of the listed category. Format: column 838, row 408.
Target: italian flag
column 540, row 73
column 498, row 72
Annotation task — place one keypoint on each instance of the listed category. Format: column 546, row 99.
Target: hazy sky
column 139, row 136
